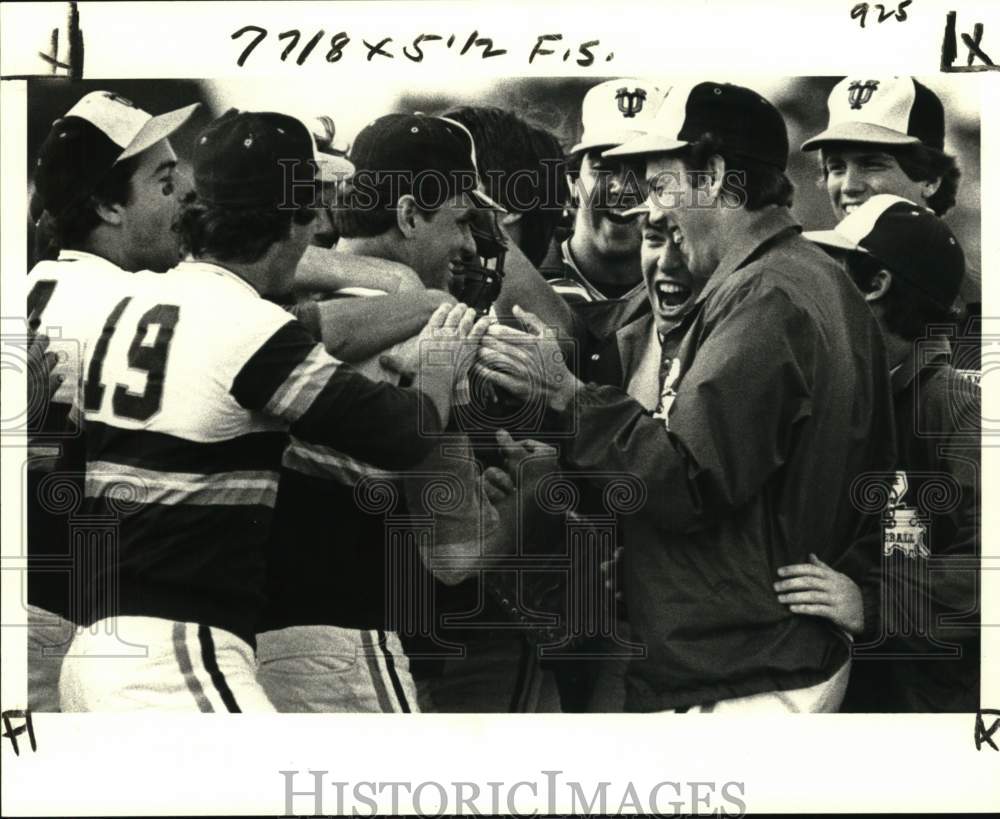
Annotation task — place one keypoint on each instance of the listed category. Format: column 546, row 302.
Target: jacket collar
column 595, row 293
column 631, row 338
column 768, row 223
column 924, row 354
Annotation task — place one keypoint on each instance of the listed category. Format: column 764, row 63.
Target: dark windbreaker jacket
column 779, row 400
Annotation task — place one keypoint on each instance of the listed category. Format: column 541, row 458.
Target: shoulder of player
column 947, row 397
column 86, row 270
column 216, row 308
column 795, row 277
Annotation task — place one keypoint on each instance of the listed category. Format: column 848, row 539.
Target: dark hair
column 71, row 228
column 747, row 182
column 235, row 234
column 362, row 212
column 906, row 311
column 522, row 167
column 922, row 163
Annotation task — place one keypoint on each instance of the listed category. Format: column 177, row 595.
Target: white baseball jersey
column 189, row 394
column 68, row 299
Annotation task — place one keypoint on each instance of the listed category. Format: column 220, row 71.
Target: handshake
column 529, row 363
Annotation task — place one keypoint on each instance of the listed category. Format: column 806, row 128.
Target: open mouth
column 671, row 295
column 850, row 207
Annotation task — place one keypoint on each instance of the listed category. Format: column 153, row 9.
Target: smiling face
column 670, row 288
column 855, row 173
column 604, row 194
column 440, row 241
column 688, row 213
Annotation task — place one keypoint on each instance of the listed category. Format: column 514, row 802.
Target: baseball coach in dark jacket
column 776, row 401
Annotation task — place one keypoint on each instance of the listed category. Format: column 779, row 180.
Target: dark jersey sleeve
column 732, row 423
column 327, row 402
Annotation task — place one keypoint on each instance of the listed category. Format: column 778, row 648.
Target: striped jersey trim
column 162, row 452
column 382, row 669
column 187, row 669
column 298, row 392
column 323, row 462
column 212, row 667
column 139, row 486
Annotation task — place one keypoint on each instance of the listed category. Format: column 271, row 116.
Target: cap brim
column 859, row 132
column 636, row 211
column 830, row 238
column 156, row 129
column 647, row 144
column 607, row 139
column 483, row 201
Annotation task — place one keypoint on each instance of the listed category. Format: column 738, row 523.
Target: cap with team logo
column 101, row 130
column 885, row 111
column 746, row 124
column 431, row 158
column 616, row 111
column 247, row 159
column 908, row 239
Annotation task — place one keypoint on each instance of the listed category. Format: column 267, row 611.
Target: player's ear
column 110, row 212
column 929, row 187
column 879, row 285
column 573, row 197
column 716, row 168
column 407, row 216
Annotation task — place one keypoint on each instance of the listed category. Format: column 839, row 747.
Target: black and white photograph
column 393, row 371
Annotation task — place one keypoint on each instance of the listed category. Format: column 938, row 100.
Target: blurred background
column 552, row 102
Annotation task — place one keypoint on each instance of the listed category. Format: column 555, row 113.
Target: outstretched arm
column 355, row 329
column 328, row 270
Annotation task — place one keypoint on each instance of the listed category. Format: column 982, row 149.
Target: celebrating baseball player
column 601, row 259
column 187, row 418
column 107, row 178
column 919, row 627
column 776, row 400
column 887, row 135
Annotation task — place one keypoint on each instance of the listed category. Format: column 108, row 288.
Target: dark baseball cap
column 745, row 122
column 247, row 159
column 909, row 240
column 883, row 111
column 431, row 158
column 97, row 133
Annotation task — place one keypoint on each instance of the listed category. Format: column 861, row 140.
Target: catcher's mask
column 481, row 277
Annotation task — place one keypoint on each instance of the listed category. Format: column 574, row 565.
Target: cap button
column 718, row 91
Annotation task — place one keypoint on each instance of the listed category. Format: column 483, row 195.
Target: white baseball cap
column 884, row 111
column 125, row 124
column 97, row 133
column 616, row 111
